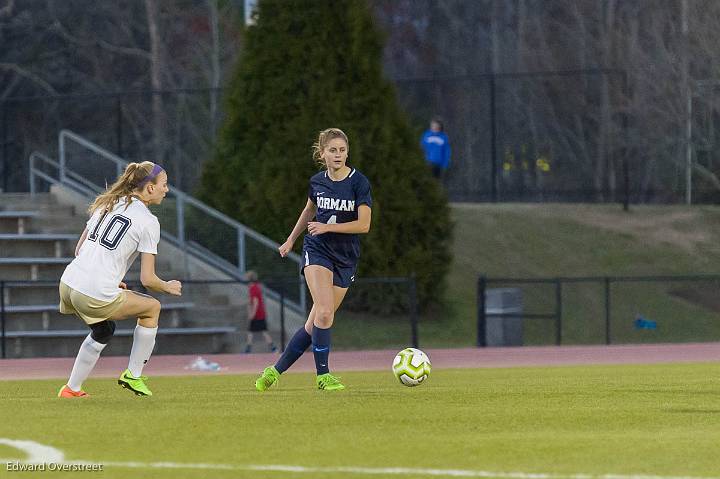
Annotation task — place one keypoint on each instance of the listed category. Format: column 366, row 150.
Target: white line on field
column 36, row 452
column 40, row 453
column 408, row 471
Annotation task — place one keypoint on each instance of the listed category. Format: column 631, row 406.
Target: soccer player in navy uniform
column 338, row 209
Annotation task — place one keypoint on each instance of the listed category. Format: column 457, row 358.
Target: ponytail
column 134, row 177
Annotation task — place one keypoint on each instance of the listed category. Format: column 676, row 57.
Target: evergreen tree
column 308, row 65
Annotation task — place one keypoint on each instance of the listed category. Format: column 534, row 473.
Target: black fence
column 530, row 137
column 555, row 136
column 382, row 313
column 598, row 310
column 176, row 128
column 31, row 325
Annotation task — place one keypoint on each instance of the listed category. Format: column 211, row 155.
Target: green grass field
column 661, row 420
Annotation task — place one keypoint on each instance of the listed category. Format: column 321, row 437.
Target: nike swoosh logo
column 319, row 350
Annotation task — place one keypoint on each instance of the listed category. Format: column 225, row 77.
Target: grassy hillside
column 548, row 240
column 560, row 239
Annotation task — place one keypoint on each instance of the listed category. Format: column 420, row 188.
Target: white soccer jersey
column 113, row 242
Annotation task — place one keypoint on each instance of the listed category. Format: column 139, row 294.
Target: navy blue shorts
column 342, row 275
column 257, row 325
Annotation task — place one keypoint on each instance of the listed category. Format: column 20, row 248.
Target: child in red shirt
column 256, row 313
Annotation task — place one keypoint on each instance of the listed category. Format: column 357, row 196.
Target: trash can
column 503, row 330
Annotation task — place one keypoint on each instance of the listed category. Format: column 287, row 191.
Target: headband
column 157, row 169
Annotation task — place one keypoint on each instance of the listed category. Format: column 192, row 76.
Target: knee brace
column 103, row 331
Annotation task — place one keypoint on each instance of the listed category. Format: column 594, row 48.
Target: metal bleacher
column 31, row 263
column 38, row 233
column 196, row 229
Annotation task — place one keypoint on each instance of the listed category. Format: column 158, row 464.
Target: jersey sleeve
column 92, row 221
column 311, row 197
column 362, row 192
column 150, row 237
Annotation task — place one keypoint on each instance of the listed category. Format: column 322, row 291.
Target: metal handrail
column 121, row 164
column 72, row 179
column 84, row 186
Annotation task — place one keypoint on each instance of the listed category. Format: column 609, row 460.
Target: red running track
column 47, row 368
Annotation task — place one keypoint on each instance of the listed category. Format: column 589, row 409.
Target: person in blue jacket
column 436, row 145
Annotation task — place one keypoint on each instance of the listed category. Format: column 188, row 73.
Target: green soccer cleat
column 136, row 385
column 328, row 382
column 269, row 377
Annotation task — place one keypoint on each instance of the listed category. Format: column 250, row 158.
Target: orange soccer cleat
column 66, row 392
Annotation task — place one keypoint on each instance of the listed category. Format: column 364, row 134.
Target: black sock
column 321, row 349
column 300, row 341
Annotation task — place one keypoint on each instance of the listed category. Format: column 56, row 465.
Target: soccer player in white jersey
column 120, row 228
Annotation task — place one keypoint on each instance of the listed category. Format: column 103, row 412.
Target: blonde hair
column 134, row 177
column 323, row 139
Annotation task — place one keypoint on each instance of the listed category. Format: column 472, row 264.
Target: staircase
column 38, row 234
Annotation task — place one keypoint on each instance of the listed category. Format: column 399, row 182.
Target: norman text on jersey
column 335, row 204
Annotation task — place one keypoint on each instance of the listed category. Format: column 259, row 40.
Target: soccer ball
column 411, row 366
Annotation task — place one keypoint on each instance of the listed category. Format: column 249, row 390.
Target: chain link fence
column 175, row 128
column 533, row 137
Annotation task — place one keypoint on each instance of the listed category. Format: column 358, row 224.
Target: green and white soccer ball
column 411, row 366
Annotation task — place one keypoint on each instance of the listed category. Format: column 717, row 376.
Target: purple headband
column 153, row 174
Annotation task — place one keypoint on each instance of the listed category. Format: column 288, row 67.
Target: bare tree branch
column 10, row 87
column 707, row 174
column 29, row 75
column 138, row 52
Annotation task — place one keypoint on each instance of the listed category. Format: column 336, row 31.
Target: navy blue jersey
column 338, row 202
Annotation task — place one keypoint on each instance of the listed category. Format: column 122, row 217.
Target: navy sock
column 295, row 348
column 321, row 349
